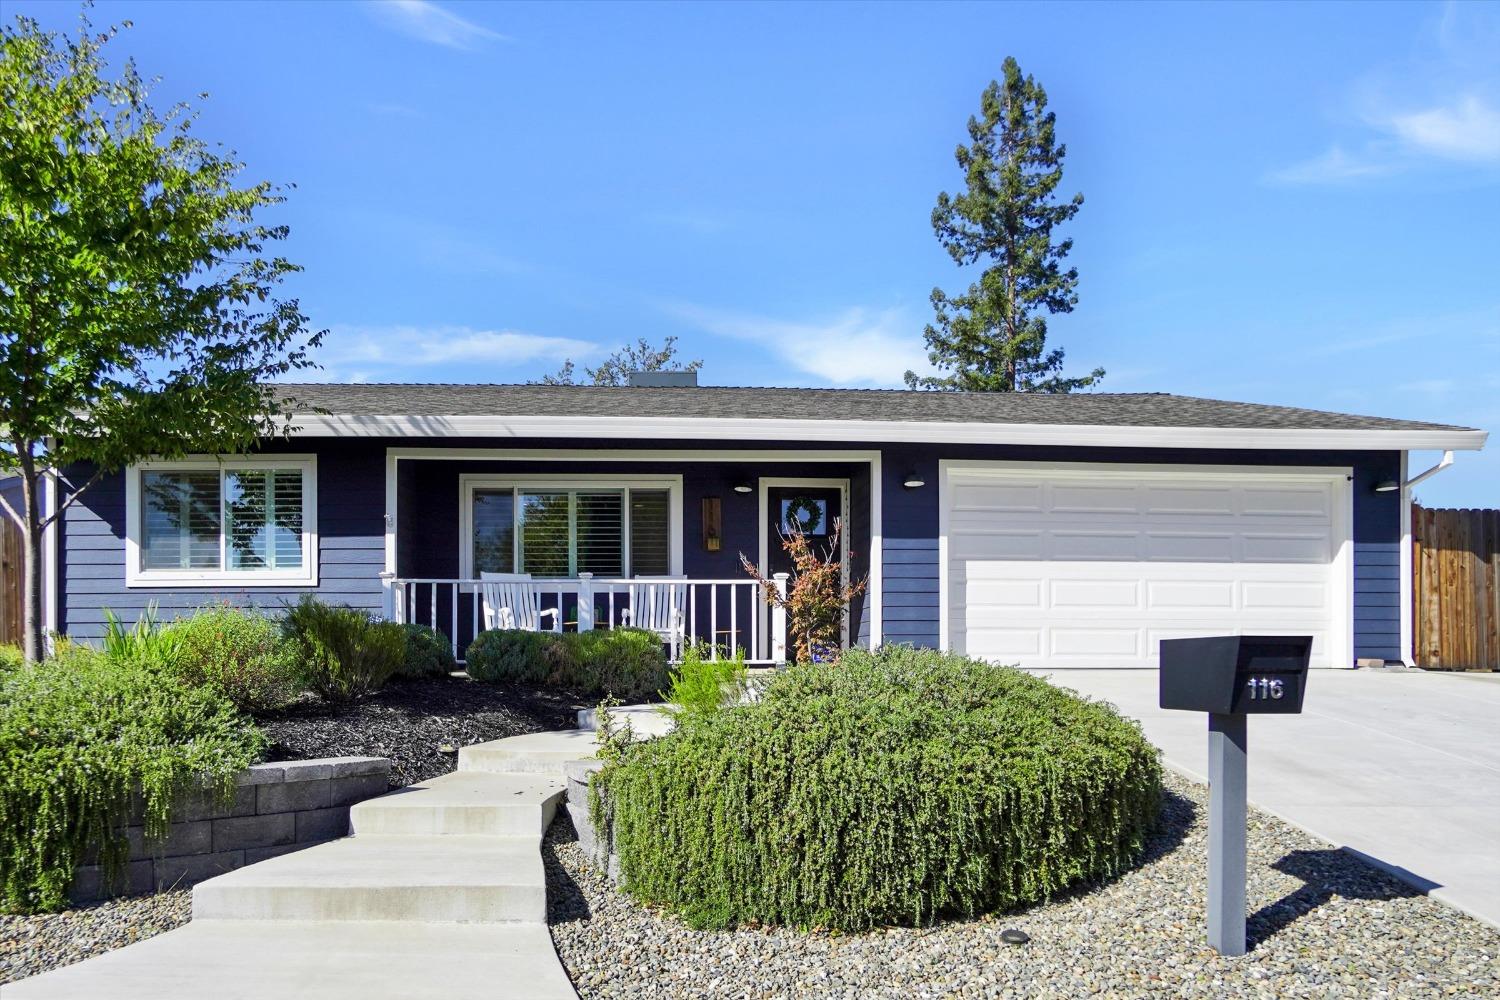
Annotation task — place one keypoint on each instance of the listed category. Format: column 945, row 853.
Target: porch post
column 388, row 596
column 778, row 619
column 585, row 602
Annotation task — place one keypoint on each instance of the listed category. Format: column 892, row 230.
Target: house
column 1050, row 531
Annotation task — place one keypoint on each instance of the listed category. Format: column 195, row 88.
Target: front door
column 813, row 509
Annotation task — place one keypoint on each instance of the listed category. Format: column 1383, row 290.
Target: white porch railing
column 727, row 615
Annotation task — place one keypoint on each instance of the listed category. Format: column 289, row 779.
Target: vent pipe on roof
column 659, row 380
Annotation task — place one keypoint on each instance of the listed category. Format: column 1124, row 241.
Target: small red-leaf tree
column 816, row 596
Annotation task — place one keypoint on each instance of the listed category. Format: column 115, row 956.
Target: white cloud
column 362, row 353
column 1331, row 167
column 856, row 347
column 1439, row 108
column 1467, row 129
column 427, row 22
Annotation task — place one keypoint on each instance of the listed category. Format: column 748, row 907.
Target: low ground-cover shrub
column 891, row 789
column 427, row 653
column 241, row 654
column 628, row 663
column 345, row 653
column 11, row 658
column 81, row 735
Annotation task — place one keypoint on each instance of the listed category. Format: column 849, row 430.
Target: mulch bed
column 410, row 720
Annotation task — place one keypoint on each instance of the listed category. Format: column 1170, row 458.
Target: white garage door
column 1093, row 565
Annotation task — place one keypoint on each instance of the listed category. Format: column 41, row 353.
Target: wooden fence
column 12, row 556
column 1456, row 588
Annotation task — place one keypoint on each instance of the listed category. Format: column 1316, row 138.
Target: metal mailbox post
column 1231, row 677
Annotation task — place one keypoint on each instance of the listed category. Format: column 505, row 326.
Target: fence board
column 1456, row 588
column 12, row 551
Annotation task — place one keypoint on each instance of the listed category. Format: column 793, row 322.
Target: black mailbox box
column 1235, row 674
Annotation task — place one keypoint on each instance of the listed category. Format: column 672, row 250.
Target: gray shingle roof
column 730, row 402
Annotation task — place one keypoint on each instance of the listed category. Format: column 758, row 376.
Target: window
column 561, row 530
column 245, row 521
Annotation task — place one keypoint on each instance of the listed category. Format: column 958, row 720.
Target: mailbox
column 1235, row 674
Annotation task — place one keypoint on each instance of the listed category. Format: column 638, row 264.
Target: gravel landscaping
column 411, row 720
column 1323, row 924
column 35, row 944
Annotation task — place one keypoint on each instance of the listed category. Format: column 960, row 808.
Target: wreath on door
column 804, row 514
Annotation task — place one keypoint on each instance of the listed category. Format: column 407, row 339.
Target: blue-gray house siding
column 351, row 508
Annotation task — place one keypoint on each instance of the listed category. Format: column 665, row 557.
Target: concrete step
column 534, row 753
column 441, row 878
column 645, row 720
column 463, row 803
column 274, row 960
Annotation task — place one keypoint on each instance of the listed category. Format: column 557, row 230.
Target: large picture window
column 561, row 530
column 244, row 521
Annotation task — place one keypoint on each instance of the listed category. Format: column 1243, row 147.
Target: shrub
column 899, row 787
column 703, row 685
column 428, row 653
column 240, row 654
column 11, row 658
column 626, row 662
column 345, row 653
column 80, row 736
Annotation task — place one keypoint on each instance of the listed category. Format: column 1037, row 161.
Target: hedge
column 893, row 788
column 428, row 653
column 625, row 662
column 80, row 736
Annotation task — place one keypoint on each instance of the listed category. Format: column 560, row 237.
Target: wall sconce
column 712, row 525
column 1387, row 486
column 911, row 480
column 743, row 486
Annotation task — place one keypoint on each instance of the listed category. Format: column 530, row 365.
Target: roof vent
column 661, row 380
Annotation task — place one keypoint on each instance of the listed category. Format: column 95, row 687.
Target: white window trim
column 467, row 484
column 306, row 576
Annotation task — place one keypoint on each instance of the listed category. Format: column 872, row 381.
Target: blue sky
column 1287, row 204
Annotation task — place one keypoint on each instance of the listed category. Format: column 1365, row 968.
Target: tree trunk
column 31, row 590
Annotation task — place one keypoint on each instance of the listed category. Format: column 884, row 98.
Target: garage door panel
column 1074, row 572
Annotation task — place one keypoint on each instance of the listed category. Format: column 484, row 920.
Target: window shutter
column 650, row 529
column 180, row 524
column 601, row 533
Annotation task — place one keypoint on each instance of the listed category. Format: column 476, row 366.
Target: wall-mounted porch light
column 713, row 531
column 912, row 481
column 1387, row 486
column 743, row 486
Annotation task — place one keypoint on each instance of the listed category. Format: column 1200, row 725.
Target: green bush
column 80, row 736
column 146, row 642
column 240, row 654
column 703, row 684
column 11, row 658
column 892, row 789
column 628, row 663
column 428, row 653
column 345, row 653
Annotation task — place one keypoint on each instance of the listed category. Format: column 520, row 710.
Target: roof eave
column 907, row 431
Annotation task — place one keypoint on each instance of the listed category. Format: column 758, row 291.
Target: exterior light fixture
column 911, row 480
column 743, row 487
column 1387, row 486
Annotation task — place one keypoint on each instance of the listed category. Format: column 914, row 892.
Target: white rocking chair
column 512, row 601
column 656, row 605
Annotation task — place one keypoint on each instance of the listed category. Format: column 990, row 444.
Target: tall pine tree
column 993, row 337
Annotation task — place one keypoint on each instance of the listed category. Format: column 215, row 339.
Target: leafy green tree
column 993, row 336
column 616, row 369
column 136, row 308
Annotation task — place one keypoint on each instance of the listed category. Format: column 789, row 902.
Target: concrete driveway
column 1402, row 768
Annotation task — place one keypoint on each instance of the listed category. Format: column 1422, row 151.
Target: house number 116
column 1263, row 688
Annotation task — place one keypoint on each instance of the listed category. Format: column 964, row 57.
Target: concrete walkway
column 440, row 894
column 1402, row 768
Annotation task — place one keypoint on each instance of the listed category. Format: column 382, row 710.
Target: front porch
column 592, row 535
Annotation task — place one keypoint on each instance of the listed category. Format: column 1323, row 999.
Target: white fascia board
column 892, row 431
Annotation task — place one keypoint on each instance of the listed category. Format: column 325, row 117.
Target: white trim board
column 893, row 431
column 1341, row 527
